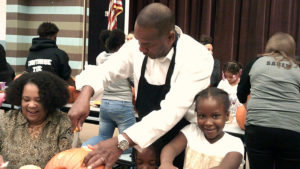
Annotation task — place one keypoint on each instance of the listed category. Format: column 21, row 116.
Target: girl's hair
column 232, row 67
column 156, row 146
column 281, row 46
column 215, row 93
column 53, row 91
column 112, row 40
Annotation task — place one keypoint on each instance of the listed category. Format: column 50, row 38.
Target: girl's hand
column 167, row 166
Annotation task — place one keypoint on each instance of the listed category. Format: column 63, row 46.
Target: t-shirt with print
column 201, row 154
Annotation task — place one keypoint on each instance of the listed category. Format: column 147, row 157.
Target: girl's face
column 232, row 78
column 32, row 109
column 211, row 118
column 146, row 159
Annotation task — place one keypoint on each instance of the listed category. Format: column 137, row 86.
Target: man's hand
column 104, row 153
column 81, row 107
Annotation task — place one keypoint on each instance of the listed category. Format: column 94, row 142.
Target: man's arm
column 96, row 78
column 81, row 107
column 191, row 77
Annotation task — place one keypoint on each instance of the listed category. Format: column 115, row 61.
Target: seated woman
column 38, row 130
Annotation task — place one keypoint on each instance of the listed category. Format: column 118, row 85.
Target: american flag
column 114, row 9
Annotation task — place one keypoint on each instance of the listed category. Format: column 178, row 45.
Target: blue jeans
column 113, row 113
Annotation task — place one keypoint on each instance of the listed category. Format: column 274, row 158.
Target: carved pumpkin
column 241, row 116
column 73, row 94
column 69, row 159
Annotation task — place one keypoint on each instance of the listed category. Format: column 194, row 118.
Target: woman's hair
column 214, row 93
column 53, row 91
column 281, row 46
column 112, row 40
column 47, row 29
column 232, row 67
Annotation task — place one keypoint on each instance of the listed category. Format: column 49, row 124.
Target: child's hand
column 167, row 166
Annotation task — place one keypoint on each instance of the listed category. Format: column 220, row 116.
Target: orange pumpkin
column 69, row 159
column 73, row 94
column 241, row 116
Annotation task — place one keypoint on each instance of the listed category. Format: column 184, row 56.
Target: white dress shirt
column 193, row 67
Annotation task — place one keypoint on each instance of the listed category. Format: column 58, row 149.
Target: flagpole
column 126, row 20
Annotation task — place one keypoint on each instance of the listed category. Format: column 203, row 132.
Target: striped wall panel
column 24, row 17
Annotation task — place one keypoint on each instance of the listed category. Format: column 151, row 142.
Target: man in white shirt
column 169, row 69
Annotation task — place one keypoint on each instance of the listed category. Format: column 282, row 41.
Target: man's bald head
column 158, row 16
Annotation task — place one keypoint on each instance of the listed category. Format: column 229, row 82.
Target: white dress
column 201, row 154
column 231, row 90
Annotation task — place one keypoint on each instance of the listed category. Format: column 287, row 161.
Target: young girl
column 148, row 158
column 230, row 79
column 206, row 144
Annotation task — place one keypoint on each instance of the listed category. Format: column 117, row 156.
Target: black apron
column 149, row 97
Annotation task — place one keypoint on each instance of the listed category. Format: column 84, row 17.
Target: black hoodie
column 44, row 55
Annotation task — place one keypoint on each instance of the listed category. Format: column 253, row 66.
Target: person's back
column 276, row 87
column 44, row 55
column 120, row 89
column 116, row 106
column 273, row 111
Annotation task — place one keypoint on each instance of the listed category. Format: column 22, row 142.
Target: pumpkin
column 69, row 159
column 241, row 116
column 73, row 94
column 30, row 167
